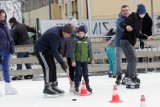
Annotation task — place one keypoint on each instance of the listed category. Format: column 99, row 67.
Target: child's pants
column 110, row 51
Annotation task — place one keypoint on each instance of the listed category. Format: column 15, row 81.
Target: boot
column 48, row 91
column 118, row 80
column 77, row 89
column 55, row 88
column 0, row 94
column 9, row 90
column 89, row 88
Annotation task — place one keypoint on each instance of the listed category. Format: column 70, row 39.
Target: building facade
column 99, row 9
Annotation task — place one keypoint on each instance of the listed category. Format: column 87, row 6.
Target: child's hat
column 82, row 29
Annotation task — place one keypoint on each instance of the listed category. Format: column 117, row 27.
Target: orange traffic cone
column 84, row 91
column 115, row 97
column 143, row 101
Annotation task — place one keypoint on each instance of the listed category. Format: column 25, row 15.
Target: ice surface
column 30, row 93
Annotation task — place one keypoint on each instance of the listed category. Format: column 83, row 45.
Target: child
column 66, row 51
column 111, row 53
column 80, row 53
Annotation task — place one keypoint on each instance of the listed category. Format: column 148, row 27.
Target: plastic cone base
column 115, row 99
column 84, row 93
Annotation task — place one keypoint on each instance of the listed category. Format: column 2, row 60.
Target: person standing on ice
column 133, row 26
column 81, row 52
column 125, row 11
column 46, row 49
column 6, row 49
column 66, row 50
column 111, row 53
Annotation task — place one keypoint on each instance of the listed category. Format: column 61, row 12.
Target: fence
column 150, row 58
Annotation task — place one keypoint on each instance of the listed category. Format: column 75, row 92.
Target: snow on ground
column 30, row 93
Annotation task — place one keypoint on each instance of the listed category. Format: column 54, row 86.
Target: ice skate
column 0, row 94
column 89, row 88
column 76, row 90
column 118, row 80
column 132, row 83
column 71, row 89
column 49, row 92
column 9, row 90
column 55, row 88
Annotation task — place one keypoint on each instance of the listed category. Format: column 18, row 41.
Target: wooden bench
column 92, row 68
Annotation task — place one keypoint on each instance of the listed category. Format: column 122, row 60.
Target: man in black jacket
column 133, row 26
column 46, row 49
column 19, row 33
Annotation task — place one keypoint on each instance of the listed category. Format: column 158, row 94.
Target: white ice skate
column 9, row 90
column 0, row 94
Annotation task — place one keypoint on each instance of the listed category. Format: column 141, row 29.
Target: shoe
column 110, row 75
column 19, row 77
column 28, row 76
column 9, row 90
column 55, row 88
column 114, row 76
column 118, row 80
column 89, row 88
column 0, row 94
column 77, row 89
column 49, row 92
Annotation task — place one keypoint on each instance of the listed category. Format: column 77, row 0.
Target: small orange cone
column 143, row 101
column 84, row 91
column 115, row 97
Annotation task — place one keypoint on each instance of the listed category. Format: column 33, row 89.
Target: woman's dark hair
column 3, row 11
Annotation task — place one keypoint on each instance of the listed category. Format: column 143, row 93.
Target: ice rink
column 30, row 93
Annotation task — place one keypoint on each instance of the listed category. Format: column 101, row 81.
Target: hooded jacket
column 50, row 42
column 5, row 38
column 81, row 50
column 119, row 30
column 147, row 25
column 136, row 23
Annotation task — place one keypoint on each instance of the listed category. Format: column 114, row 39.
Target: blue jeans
column 111, row 53
column 5, row 64
column 23, row 55
column 81, row 69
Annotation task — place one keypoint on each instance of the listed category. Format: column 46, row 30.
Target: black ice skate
column 49, row 92
column 133, row 82
column 76, row 90
column 89, row 88
column 55, row 88
column 118, row 80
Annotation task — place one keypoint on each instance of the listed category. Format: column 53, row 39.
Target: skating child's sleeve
column 90, row 50
column 73, row 46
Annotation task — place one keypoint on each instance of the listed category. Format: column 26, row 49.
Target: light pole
column 152, row 15
column 50, row 14
column 89, row 16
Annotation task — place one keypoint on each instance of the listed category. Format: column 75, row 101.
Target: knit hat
column 12, row 20
column 141, row 9
column 82, row 29
column 74, row 22
column 67, row 28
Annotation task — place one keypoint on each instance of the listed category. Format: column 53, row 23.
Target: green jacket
column 81, row 50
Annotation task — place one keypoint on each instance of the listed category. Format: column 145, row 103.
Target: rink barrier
column 101, row 55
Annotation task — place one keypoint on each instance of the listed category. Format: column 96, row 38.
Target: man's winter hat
column 67, row 28
column 12, row 20
column 141, row 9
column 82, row 29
